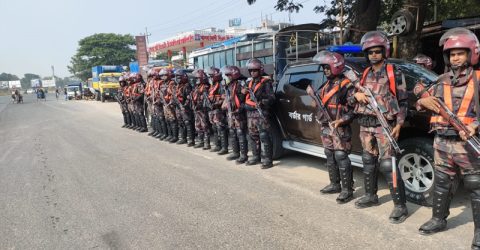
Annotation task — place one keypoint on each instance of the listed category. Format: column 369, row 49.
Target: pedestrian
column 454, row 157
column 337, row 135
column 387, row 85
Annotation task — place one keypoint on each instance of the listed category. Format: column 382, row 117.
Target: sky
column 36, row 35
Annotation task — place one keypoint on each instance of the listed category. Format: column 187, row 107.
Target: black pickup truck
column 298, row 130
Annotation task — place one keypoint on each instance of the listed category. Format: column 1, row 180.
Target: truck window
column 109, row 79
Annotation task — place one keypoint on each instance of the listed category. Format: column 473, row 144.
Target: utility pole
column 146, row 39
column 53, row 76
column 341, row 22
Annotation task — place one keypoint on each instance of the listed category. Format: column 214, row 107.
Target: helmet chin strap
column 457, row 69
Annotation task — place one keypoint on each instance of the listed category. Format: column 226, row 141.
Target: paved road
column 71, row 178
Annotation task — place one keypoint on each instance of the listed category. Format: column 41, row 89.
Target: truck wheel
column 277, row 140
column 103, row 98
column 416, row 169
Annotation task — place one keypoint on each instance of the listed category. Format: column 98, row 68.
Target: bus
column 291, row 44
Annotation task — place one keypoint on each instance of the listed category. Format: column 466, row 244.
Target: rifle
column 372, row 102
column 206, row 101
column 175, row 99
column 229, row 104
column 453, row 120
column 162, row 98
column 323, row 110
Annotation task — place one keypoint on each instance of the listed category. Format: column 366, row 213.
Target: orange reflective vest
column 390, row 74
column 327, row 96
column 248, row 101
column 468, row 96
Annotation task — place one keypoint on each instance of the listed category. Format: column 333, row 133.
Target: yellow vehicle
column 105, row 81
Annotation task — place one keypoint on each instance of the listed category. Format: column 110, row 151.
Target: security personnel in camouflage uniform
column 168, row 107
column 454, row 157
column 200, row 104
column 183, row 109
column 139, row 107
column 336, row 137
column 217, row 116
column 122, row 101
column 129, row 99
column 259, row 124
column 424, row 61
column 148, row 101
column 389, row 89
column 234, row 106
column 158, row 88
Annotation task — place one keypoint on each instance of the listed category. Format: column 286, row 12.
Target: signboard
column 4, row 85
column 142, row 55
column 48, row 83
column 36, row 83
column 234, row 22
column 14, row 84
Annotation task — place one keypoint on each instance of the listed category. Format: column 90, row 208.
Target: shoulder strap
column 475, row 93
column 391, row 79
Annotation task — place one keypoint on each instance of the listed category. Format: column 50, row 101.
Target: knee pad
column 471, row 182
column 231, row 131
column 264, row 136
column 329, row 153
column 340, row 155
column 443, row 181
column 385, row 166
column 368, row 159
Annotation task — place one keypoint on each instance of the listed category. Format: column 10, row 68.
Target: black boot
column 333, row 174
column 206, row 141
column 243, row 144
column 143, row 123
column 129, row 120
column 370, row 172
column 400, row 211
column 169, row 131
column 174, row 132
column 266, row 139
column 346, row 176
column 125, row 121
column 232, row 137
column 442, row 196
column 190, row 134
column 152, row 125
column 200, row 141
column 134, row 122
column 182, row 134
column 476, row 219
column 256, row 159
column 223, row 141
column 216, row 139
column 157, row 133
column 163, row 128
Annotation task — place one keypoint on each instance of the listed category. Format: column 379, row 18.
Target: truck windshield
column 72, row 88
column 109, row 79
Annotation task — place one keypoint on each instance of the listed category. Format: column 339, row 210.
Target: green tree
column 8, row 77
column 101, row 49
column 25, row 81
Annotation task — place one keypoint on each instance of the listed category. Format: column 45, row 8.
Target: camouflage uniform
column 157, row 109
column 453, row 156
column 218, row 119
column 333, row 95
column 149, row 104
column 169, row 111
column 131, row 107
column 233, row 104
column 139, row 107
column 258, row 126
column 375, row 144
column 184, row 113
column 122, row 101
column 200, row 106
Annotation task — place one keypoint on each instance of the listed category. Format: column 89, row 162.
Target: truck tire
column 416, row 167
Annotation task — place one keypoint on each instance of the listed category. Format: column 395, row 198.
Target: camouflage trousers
column 183, row 115
column 256, row 123
column 169, row 112
column 459, row 159
column 139, row 108
column 158, row 110
column 201, row 121
column 217, row 118
column 237, row 121
column 149, row 108
column 375, row 142
column 332, row 141
column 131, row 107
column 123, row 107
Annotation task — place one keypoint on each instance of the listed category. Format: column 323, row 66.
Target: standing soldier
column 158, row 105
column 454, row 157
column 234, row 104
column 389, row 89
column 217, row 115
column 259, row 99
column 139, row 107
column 200, row 103
column 424, row 61
column 148, row 100
column 336, row 137
column 129, row 98
column 166, row 93
column 122, row 101
column 183, row 109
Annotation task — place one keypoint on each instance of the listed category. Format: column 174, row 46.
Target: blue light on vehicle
column 346, row 49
